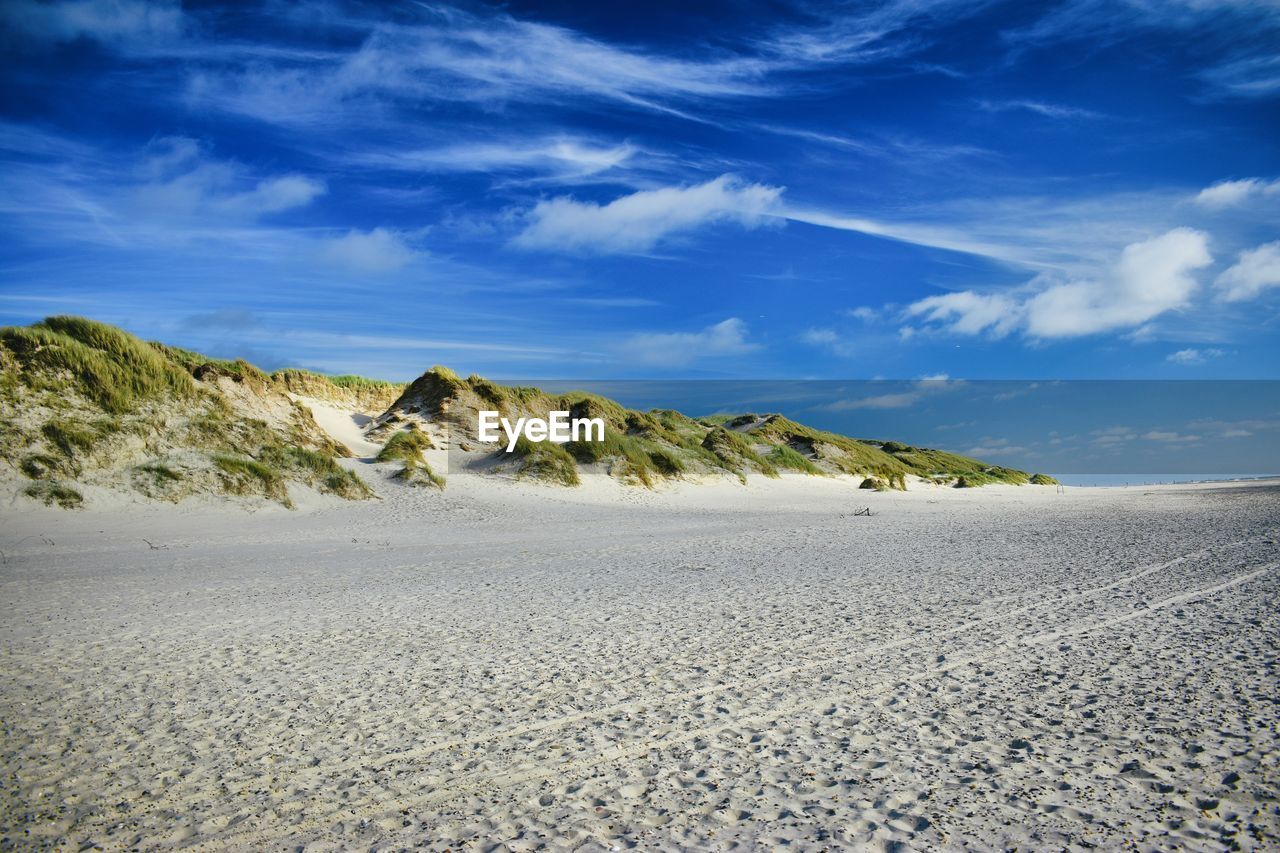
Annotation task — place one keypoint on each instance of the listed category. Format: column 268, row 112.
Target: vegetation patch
column 732, row 449
column 112, row 367
column 1043, row 480
column 546, row 461
column 159, row 473
column 783, row 456
column 70, row 437
column 242, row 475
column 53, row 492
column 42, row 466
column 406, row 446
column 419, row 474
column 316, row 469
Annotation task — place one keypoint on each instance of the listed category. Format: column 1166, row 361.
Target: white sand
column 513, row 666
column 343, row 424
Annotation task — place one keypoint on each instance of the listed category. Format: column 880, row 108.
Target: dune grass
column 70, row 436
column 547, row 461
column 116, row 370
column 159, row 472
column 315, row 469
column 407, row 447
column 733, row 449
column 1042, row 480
column 783, row 456
column 242, row 475
column 349, row 381
column 42, row 466
column 53, row 492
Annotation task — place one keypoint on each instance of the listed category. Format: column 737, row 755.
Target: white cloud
column 820, row 337
column 968, row 313
column 914, row 393
column 675, row 349
column 1245, row 76
column 450, row 55
column 107, row 21
column 1254, row 271
column 178, row 180
column 993, row 447
column 563, row 156
column 1168, row 436
column 636, row 222
column 373, row 251
column 1150, row 278
column 1191, row 355
column 1113, row 435
column 1233, row 193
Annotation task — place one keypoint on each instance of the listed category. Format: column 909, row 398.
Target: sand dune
column 512, row 666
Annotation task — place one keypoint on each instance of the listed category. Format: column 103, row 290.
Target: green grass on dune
column 111, row 366
column 407, row 447
column 243, row 475
column 546, row 461
column 783, row 456
column 733, row 450
column 346, row 380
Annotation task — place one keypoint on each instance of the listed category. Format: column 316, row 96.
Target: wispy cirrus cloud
column 453, row 56
column 1246, row 27
column 560, row 156
column 1041, row 108
column 110, row 22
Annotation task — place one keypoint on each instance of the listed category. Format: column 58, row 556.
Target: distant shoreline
column 1108, row 481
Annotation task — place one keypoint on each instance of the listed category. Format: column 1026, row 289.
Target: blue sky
column 1076, row 189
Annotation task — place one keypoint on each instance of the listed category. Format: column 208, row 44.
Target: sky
column 1081, row 189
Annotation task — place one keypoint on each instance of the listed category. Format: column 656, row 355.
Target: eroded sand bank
column 503, row 665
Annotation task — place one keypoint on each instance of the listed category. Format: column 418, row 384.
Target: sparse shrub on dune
column 419, row 474
column 1043, row 480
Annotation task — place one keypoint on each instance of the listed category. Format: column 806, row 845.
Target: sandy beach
column 504, row 666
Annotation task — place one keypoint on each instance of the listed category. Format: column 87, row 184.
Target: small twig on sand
column 154, row 547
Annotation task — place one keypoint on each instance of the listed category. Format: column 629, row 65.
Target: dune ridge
column 85, row 404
